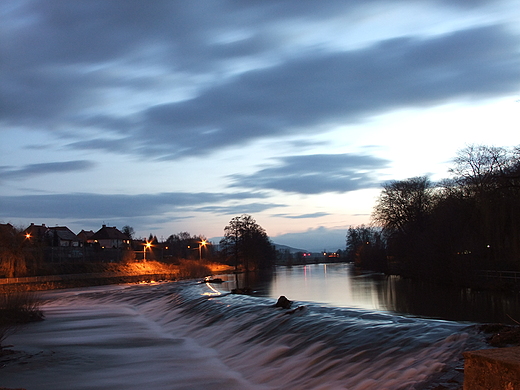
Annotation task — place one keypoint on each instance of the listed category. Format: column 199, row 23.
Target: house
column 37, row 233
column 6, row 227
column 63, row 236
column 7, row 232
column 110, row 237
column 85, row 236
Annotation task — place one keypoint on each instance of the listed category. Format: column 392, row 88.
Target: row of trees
column 468, row 222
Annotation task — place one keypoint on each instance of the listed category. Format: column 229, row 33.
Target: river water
column 339, row 284
column 194, row 335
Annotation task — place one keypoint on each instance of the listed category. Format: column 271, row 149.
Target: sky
column 174, row 116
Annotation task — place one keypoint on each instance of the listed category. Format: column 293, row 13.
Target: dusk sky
column 173, row 116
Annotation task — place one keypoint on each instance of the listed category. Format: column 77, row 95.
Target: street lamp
column 201, row 244
column 148, row 245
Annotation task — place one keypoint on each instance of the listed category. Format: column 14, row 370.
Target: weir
column 243, row 341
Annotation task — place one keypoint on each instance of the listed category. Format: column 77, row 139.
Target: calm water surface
column 340, row 286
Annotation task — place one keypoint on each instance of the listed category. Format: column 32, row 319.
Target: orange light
column 28, row 235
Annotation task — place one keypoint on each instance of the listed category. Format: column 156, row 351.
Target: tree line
column 446, row 229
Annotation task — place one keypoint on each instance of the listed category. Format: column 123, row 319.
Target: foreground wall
column 492, row 369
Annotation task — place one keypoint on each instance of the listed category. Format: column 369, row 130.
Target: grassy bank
column 17, row 309
column 96, row 274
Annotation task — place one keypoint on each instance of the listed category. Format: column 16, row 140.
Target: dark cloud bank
column 66, row 53
column 59, row 57
column 78, row 205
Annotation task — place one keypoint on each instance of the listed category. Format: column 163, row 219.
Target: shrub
column 17, row 309
column 190, row 269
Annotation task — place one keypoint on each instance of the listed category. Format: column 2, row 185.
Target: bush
column 17, row 309
column 190, row 269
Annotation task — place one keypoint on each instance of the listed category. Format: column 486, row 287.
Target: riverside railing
column 512, row 276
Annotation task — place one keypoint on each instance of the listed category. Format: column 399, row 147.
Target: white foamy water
column 186, row 335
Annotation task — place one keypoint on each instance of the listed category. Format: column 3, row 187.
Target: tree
column 366, row 248
column 403, row 205
column 129, row 231
column 487, row 179
column 246, row 244
column 13, row 251
column 477, row 167
column 403, row 210
column 183, row 245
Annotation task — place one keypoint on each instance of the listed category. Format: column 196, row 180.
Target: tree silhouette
column 246, row 244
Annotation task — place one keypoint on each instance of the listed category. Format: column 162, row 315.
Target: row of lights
column 148, row 245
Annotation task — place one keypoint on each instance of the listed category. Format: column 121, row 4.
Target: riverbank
column 114, row 274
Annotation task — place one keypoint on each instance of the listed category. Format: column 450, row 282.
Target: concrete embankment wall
column 492, row 369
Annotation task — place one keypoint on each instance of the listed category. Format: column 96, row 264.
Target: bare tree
column 247, row 243
column 402, row 205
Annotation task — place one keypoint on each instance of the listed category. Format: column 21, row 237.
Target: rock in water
column 283, row 302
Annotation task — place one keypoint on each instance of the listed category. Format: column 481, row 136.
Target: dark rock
column 502, row 335
column 283, row 302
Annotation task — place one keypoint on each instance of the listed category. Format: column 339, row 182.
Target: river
column 340, row 285
column 349, row 332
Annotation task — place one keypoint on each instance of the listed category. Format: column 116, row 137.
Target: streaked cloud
column 14, row 173
column 302, row 216
column 84, row 205
column 315, row 174
column 247, row 208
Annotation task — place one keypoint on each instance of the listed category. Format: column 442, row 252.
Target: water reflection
column 340, row 285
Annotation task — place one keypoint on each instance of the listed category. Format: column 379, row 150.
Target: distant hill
column 216, row 240
column 288, row 248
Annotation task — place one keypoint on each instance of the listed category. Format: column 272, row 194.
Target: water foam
column 175, row 336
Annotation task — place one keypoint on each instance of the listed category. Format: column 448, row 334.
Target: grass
column 17, row 309
column 190, row 269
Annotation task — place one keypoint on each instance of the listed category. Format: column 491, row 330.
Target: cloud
column 303, row 216
column 92, row 206
column 339, row 87
column 315, row 174
column 249, row 208
column 176, row 79
column 9, row 172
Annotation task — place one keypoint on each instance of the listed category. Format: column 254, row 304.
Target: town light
column 148, row 245
column 201, row 244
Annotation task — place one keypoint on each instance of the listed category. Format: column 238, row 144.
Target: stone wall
column 492, row 369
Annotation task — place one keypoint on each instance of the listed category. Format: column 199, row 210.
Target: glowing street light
column 148, row 245
column 201, row 244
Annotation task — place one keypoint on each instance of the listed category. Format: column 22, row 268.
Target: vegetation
column 15, row 254
column 448, row 229
column 185, row 246
column 246, row 244
column 190, row 269
column 366, row 248
column 17, row 309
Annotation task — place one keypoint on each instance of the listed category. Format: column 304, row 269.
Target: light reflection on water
column 341, row 286
column 330, row 284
